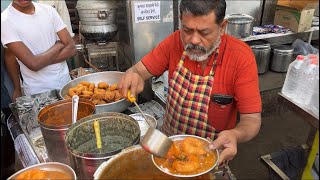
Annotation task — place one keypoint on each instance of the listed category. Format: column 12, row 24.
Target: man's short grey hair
column 204, row 7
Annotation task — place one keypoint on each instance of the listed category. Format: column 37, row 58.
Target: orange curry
column 43, row 174
column 187, row 157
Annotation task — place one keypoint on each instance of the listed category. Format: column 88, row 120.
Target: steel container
column 239, row 25
column 49, row 166
column 118, row 131
column 135, row 163
column 282, row 56
column 261, row 50
column 111, row 77
column 54, row 135
column 97, row 19
column 182, row 137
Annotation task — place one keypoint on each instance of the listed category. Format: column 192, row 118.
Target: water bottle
column 306, row 83
column 292, row 78
column 314, row 104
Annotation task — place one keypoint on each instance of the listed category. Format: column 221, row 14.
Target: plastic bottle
column 307, row 82
column 314, row 104
column 291, row 82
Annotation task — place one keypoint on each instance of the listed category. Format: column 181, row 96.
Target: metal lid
column 239, row 18
column 282, row 49
column 259, row 44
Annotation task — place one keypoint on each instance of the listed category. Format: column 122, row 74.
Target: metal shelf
column 277, row 35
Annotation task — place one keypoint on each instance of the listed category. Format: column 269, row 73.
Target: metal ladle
column 75, row 103
column 154, row 141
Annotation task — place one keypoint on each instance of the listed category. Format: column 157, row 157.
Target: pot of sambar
column 136, row 163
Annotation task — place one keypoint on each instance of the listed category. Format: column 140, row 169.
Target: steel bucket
column 55, row 120
column 118, row 131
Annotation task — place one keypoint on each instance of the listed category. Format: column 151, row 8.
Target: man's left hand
column 227, row 142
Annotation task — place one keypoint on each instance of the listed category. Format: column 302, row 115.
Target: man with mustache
column 212, row 76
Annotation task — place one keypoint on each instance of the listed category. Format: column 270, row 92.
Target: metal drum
column 118, row 131
column 54, row 120
column 282, row 56
column 261, row 50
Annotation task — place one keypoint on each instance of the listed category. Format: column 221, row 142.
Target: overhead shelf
column 274, row 35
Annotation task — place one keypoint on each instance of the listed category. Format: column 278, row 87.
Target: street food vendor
column 37, row 36
column 212, row 76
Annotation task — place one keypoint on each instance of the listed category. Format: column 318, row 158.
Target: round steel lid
column 239, row 18
column 282, row 49
column 259, row 44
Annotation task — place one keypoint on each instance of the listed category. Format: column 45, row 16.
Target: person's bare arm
column 248, row 127
column 69, row 49
column 13, row 70
column 134, row 79
column 34, row 62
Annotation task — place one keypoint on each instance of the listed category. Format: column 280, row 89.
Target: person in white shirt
column 37, row 36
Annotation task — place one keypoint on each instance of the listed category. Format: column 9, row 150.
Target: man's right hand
column 134, row 79
column 16, row 93
column 131, row 80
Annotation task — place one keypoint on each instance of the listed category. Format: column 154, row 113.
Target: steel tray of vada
column 110, row 77
column 189, row 156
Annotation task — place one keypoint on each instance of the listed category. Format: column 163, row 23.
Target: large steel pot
column 110, row 77
column 55, row 120
column 282, row 56
column 98, row 19
column 240, row 25
column 118, row 131
column 261, row 50
column 135, row 163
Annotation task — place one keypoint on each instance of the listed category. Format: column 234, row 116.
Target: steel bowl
column 49, row 166
column 181, row 137
column 111, row 77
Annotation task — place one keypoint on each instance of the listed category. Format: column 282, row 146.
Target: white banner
column 147, row 11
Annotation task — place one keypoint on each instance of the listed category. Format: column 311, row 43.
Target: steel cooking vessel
column 118, row 131
column 111, row 77
column 136, row 163
column 240, row 25
column 98, row 19
column 54, row 134
column 261, row 50
column 282, row 56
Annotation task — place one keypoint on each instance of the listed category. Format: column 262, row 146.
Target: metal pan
column 111, row 77
column 181, row 137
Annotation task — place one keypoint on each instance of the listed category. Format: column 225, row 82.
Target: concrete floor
column 280, row 128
